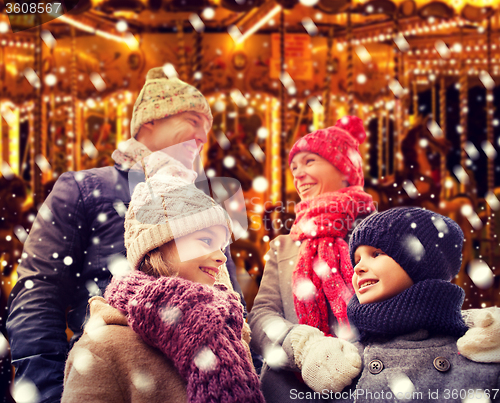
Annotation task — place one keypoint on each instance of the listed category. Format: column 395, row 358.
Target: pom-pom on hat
column 339, row 145
column 165, row 208
column 162, row 97
column 425, row 244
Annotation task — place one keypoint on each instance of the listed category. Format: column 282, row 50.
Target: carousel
column 423, row 75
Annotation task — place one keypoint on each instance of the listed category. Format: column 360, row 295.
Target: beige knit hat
column 165, row 208
column 162, row 97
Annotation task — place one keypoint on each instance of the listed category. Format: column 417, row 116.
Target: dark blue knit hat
column 425, row 244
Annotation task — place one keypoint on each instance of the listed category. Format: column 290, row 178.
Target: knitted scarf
column 132, row 154
column 323, row 271
column 433, row 305
column 195, row 326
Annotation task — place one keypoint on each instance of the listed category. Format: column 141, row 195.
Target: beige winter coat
column 111, row 363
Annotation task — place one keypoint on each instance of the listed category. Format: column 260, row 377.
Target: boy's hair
column 425, row 244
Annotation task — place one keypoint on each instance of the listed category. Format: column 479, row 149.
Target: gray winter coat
column 423, row 369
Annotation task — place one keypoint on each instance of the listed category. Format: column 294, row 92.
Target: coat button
column 441, row 364
column 375, row 366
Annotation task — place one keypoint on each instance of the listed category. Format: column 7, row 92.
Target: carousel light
column 121, row 26
column 4, row 27
column 361, row 79
column 308, row 3
column 208, row 13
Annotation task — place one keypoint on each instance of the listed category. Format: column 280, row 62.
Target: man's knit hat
column 165, row 208
column 425, row 244
column 339, row 145
column 162, row 97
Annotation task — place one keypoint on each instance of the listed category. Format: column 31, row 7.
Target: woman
column 165, row 332
column 307, row 279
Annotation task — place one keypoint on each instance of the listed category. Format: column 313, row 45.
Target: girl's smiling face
column 377, row 277
column 313, row 175
column 197, row 256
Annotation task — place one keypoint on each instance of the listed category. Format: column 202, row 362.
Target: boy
column 407, row 312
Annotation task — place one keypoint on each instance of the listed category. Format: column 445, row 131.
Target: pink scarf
column 323, row 268
column 195, row 326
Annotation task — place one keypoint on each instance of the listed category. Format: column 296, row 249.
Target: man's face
column 181, row 136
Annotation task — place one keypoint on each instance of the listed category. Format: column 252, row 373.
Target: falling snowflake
column 68, row 260
column 321, row 268
column 410, row 189
column 29, row 284
column 83, row 360
column 170, row 315
column 102, row 217
column 480, row 274
column 414, row 247
column 120, row 208
column 45, row 213
column 401, row 386
column 305, row 290
column 440, row 225
column 20, row 233
column 275, row 357
column 25, row 391
column 142, row 381
column 4, row 346
column 92, row 288
column 205, row 359
column 275, row 328
column 479, row 396
column 118, row 265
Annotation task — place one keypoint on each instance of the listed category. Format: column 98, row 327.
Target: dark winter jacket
column 74, row 246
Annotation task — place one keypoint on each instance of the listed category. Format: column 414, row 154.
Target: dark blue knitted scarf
column 433, row 305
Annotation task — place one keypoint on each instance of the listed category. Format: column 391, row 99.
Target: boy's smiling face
column 377, row 277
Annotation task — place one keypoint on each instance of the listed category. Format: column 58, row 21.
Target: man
column 76, row 242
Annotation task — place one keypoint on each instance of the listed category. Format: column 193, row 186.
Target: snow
column 142, row 381
column 205, row 359
column 68, row 260
column 29, row 284
column 83, row 360
column 118, row 265
column 480, row 274
column 275, row 357
column 25, row 391
column 401, row 386
column 305, row 290
column 275, row 328
column 170, row 315
column 414, row 247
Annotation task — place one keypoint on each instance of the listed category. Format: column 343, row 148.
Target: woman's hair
column 158, row 264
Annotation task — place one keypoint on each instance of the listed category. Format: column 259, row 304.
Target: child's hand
column 326, row 362
column 481, row 343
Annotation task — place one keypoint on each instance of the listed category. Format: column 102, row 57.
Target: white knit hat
column 162, row 97
column 165, row 208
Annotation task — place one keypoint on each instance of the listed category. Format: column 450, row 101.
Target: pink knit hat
column 339, row 145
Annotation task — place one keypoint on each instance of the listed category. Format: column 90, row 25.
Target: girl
column 165, row 332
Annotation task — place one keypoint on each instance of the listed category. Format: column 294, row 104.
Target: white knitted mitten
column 481, row 343
column 325, row 362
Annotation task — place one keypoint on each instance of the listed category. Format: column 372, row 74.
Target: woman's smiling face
column 313, row 175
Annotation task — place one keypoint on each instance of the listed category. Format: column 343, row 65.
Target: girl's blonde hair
column 158, row 264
